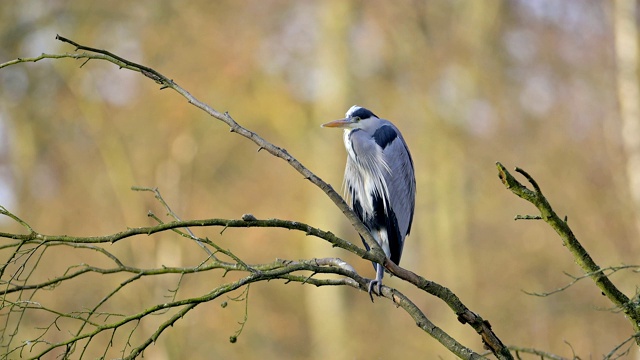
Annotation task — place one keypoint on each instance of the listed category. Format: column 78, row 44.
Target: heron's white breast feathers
column 366, row 176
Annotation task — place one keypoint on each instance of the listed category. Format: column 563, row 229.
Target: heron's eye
column 356, row 118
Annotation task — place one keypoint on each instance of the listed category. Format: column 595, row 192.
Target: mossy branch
column 569, row 240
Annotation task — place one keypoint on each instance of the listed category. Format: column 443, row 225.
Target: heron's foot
column 372, row 284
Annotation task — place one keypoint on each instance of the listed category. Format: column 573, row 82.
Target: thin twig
column 159, row 197
column 610, row 270
column 612, row 353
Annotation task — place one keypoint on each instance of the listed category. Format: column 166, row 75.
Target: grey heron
column 379, row 181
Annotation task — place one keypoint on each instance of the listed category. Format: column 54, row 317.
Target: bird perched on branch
column 379, row 181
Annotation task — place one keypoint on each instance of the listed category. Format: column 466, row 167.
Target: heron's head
column 356, row 118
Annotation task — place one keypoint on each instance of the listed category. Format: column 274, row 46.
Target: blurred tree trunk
column 449, row 177
column 626, row 52
column 326, row 308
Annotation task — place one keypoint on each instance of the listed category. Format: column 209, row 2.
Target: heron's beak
column 342, row 123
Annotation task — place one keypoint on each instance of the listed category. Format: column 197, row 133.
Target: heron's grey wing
column 400, row 180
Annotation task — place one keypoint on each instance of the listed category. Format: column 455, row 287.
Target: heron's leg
column 377, row 281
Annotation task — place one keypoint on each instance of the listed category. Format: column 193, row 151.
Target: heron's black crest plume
column 361, row 113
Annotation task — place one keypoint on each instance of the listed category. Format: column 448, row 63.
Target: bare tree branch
column 569, row 240
column 277, row 270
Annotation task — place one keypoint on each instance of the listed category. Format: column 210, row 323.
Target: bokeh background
column 550, row 86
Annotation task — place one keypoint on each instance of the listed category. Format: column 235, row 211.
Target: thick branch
column 465, row 316
column 277, row 270
column 569, row 240
column 225, row 223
